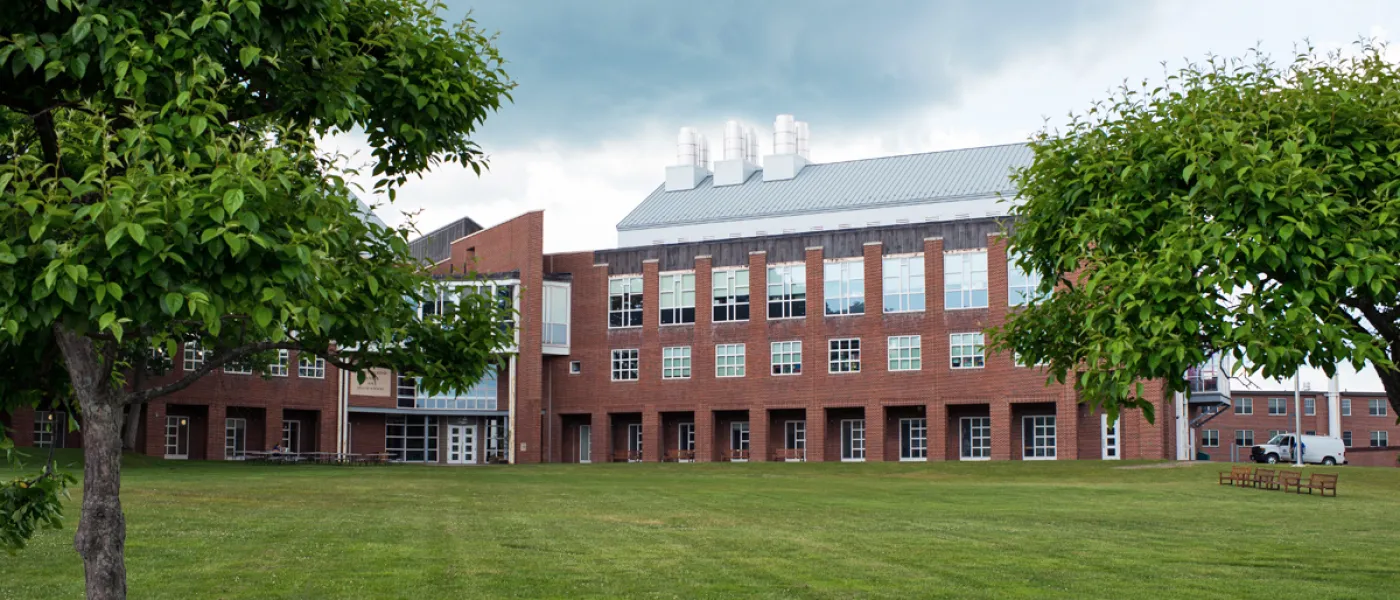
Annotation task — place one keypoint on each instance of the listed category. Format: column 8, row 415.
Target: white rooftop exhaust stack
column 753, row 146
column 692, row 152
column 786, row 160
column 737, row 166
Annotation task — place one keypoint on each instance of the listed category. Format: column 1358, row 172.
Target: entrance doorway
column 177, row 437
column 461, row 444
column 585, row 444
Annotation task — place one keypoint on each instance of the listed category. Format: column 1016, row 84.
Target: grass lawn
column 994, row 530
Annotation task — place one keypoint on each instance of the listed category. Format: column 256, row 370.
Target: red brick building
column 1364, row 421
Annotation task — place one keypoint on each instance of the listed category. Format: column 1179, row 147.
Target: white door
column 1111, row 449
column 177, row 437
column 461, row 444
column 585, row 443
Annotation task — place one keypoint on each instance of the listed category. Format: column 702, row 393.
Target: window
column 575, row 367
column 787, row 358
column 1109, row 438
column 235, row 438
column 280, row 368
column 904, row 353
column 1278, row 407
column 46, row 425
column 729, row 360
column 852, row 440
column 1016, row 358
column 1309, row 407
column 739, row 440
column 965, row 349
column 1346, row 438
column 1276, row 432
column 1346, row 407
column 1244, row 437
column 677, row 298
column 1210, row 409
column 795, row 438
column 976, row 437
column 845, row 287
column 634, row 442
column 624, row 302
column 685, row 441
column 1022, row 286
column 194, row 356
column 1380, row 439
column 787, row 291
column 1210, row 438
column 1038, row 437
column 731, row 295
column 411, row 438
column 311, row 366
column 965, row 280
column 625, row 365
column 407, row 391
column 1244, row 406
column 442, row 301
column 675, row 362
column 497, row 446
column 556, row 315
column 238, row 367
column 1310, row 432
column 1378, row 407
column 843, row 356
column 904, row 283
column 482, row 395
column 913, row 439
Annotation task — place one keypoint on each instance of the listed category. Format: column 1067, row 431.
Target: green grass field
column 992, row 530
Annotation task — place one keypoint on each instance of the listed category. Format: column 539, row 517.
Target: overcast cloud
column 604, row 86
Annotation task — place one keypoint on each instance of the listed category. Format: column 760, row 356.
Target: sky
column 605, row 85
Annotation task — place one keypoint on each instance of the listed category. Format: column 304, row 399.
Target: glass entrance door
column 852, row 440
column 461, row 444
column 177, row 437
column 585, row 443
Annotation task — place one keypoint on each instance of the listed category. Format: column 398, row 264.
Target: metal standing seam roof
column 840, row 186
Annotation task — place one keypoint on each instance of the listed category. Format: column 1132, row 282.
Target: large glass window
column 729, row 360
column 965, row 350
column 625, row 365
column 731, row 295
column 845, row 287
column 235, row 438
column 497, row 444
column 787, row 358
column 625, row 302
column 677, row 298
column 685, row 439
column 675, row 362
column 905, row 353
column 556, row 315
column 1038, row 437
column 787, row 291
column 411, row 438
column 843, row 356
column 795, row 438
column 976, row 434
column 739, row 440
column 481, row 396
column 1022, row 286
column 965, row 280
column 904, row 283
column 913, row 439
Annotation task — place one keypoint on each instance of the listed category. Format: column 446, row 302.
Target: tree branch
column 220, row 359
column 48, row 140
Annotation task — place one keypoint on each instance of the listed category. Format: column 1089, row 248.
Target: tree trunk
column 133, row 424
column 101, row 537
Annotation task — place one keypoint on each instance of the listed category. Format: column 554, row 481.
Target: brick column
column 875, row 432
column 1067, row 431
column 214, row 444
column 601, row 445
column 1001, row 430
column 704, row 435
column 938, row 430
column 758, row 434
column 155, row 428
column 272, row 424
column 22, row 426
column 816, row 431
column 651, row 434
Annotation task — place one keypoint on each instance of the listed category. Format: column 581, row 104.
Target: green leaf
column 249, row 55
column 67, row 291
column 106, row 320
column 35, row 54
column 36, row 229
column 171, row 303
column 262, row 315
column 197, row 125
column 79, row 65
column 199, row 23
column 233, row 200
column 138, row 233
column 114, row 289
column 114, row 235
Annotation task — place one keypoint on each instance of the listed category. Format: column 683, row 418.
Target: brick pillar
column 1001, row 430
column 155, row 428
column 816, row 431
column 272, row 424
column 215, row 431
column 875, row 432
column 704, row 435
column 601, row 445
column 1067, row 431
column 938, row 430
column 651, row 435
column 758, row 435
column 22, row 426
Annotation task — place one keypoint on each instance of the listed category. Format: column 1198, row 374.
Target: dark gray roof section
column 857, row 184
column 962, row 234
column 436, row 245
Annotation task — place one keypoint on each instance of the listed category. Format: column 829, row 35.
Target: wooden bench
column 1288, row 479
column 1236, row 476
column 679, row 456
column 783, row 454
column 1265, row 479
column 1322, row 482
column 627, row 456
column 735, row 455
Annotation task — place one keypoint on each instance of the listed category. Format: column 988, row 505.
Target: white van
column 1317, row 449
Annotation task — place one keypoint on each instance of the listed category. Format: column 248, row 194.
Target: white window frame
column 905, row 286
column 913, row 439
column 313, row 369
column 621, row 370
column 282, row 366
column 790, row 283
column 575, row 367
column 904, row 353
column 676, row 294
column 1037, row 425
column 967, row 351
column 729, row 361
column 172, row 437
column 556, row 298
column 975, row 438
column 1346, row 407
column 843, row 355
column 232, row 451
column 1380, row 439
column 854, row 451
column 787, row 351
column 729, row 295
column 635, row 442
column 1309, row 407
column 291, row 436
column 626, row 297
column 1210, row 438
column 685, row 439
column 1022, row 287
column 1346, row 439
column 795, row 438
column 46, row 423
column 1240, row 435
column 675, row 362
column 1377, row 407
column 194, row 358
column 1278, row 407
column 1111, row 438
column 739, row 438
column 1243, row 406
column 964, row 276
column 238, row 367
column 846, row 278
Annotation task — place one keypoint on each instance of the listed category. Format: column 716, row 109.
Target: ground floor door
column 235, row 438
column 177, row 437
column 795, row 440
column 291, row 436
column 852, row 440
column 634, row 442
column 461, row 444
column 585, row 444
column 1110, row 439
column 975, row 435
column 739, row 441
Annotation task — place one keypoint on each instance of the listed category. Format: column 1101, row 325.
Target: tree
column 161, row 185
column 1243, row 208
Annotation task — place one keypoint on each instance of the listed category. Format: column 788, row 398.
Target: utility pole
column 1297, row 419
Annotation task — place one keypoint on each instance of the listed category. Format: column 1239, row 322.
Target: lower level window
column 1038, row 438
column 634, row 442
column 411, row 438
column 497, row 440
column 1380, row 439
column 913, row 439
column 739, row 439
column 853, row 439
column 46, row 423
column 1346, row 439
column 795, row 438
column 1210, row 438
column 1244, row 437
column 686, row 440
column 976, row 438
